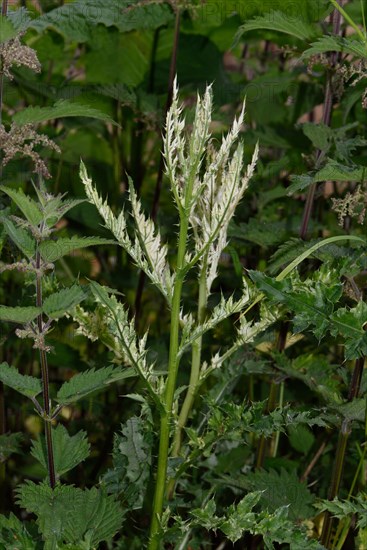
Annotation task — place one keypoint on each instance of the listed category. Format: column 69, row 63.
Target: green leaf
column 20, row 238
column 283, row 489
column 278, row 21
column 28, row 206
column 62, row 108
column 7, row 30
column 319, row 134
column 312, row 305
column 85, row 383
column 66, row 514
column 14, row 535
column 301, row 438
column 26, row 385
column 78, row 21
column 241, row 517
column 132, row 458
column 9, row 444
column 68, row 450
column 54, row 250
column 56, row 305
column 336, row 44
column 351, row 323
column 20, row 315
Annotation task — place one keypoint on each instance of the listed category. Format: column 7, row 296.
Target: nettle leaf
column 312, row 304
column 66, row 514
column 9, row 444
column 57, row 304
column 68, row 450
column 77, row 21
column 26, row 385
column 14, row 535
column 28, row 206
column 351, row 323
column 54, row 250
column 332, row 170
column 86, row 383
column 336, row 44
column 283, row 489
column 132, row 461
column 21, row 315
column 62, row 108
column 342, row 508
column 278, row 21
column 319, row 134
column 20, row 238
column 7, row 29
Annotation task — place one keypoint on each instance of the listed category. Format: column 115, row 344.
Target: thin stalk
column 194, row 374
column 272, row 399
column 45, row 380
column 344, row 434
column 261, row 449
column 326, row 119
column 344, row 526
column 277, row 434
column 349, row 19
column 173, row 364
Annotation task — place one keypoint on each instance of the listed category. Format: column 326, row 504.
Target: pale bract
column 209, row 199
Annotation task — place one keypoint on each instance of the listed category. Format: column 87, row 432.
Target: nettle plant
column 207, row 185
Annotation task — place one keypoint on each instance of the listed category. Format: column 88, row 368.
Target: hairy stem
column 173, row 363
column 45, row 381
column 326, row 119
column 194, row 374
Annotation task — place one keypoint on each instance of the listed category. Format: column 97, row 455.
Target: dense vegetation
column 183, row 274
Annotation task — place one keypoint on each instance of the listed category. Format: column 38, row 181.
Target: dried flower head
column 23, row 140
column 353, row 205
column 13, row 52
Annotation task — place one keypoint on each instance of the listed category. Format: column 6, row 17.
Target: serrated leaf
column 85, row 383
column 77, row 20
column 9, row 444
column 26, row 385
column 14, row 535
column 54, row 250
column 66, row 514
column 21, row 315
column 7, row 29
column 132, row 460
column 241, row 517
column 336, row 44
column 68, row 450
column 57, row 304
column 351, row 322
column 319, row 134
column 278, row 21
column 20, row 238
column 28, row 206
column 62, row 108
column 283, row 489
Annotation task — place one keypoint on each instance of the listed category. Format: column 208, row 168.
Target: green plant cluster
column 183, row 274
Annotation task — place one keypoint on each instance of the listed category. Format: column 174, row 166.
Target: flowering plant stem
column 45, row 380
column 173, row 364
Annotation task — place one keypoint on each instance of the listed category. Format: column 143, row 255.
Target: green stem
column 194, row 374
column 173, row 363
column 349, row 19
column 344, row 434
